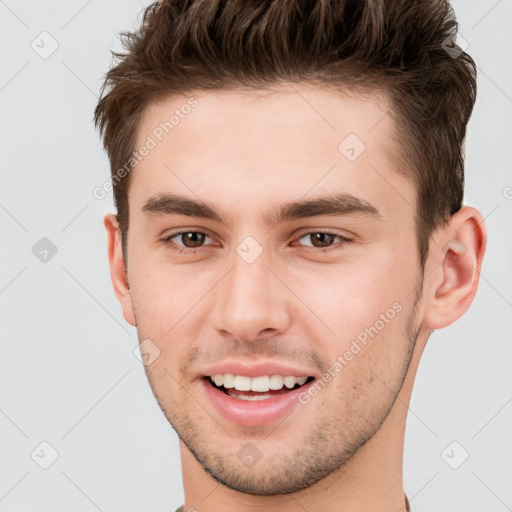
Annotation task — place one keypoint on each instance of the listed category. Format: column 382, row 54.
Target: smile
column 252, row 401
column 262, row 387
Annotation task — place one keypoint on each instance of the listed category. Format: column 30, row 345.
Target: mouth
column 263, row 387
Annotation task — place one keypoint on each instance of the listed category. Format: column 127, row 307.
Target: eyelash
column 187, row 250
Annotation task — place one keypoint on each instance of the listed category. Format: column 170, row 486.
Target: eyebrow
column 337, row 205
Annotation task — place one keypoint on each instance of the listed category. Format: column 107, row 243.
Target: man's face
column 251, row 289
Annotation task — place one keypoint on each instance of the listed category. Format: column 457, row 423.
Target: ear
column 456, row 254
column 117, row 267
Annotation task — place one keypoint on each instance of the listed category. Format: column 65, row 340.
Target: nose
column 251, row 302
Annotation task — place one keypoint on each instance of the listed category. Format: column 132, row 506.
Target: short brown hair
column 402, row 47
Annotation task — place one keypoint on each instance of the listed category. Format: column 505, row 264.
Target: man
column 290, row 230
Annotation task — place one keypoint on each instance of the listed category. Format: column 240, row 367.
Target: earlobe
column 117, row 267
column 457, row 255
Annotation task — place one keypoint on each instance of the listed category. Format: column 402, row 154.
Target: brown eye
column 193, row 238
column 188, row 239
column 321, row 240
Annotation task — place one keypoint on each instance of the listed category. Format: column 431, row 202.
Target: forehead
column 283, row 111
column 281, row 143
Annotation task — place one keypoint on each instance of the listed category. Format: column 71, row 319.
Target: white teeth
column 289, row 382
column 250, row 398
column 276, row 382
column 242, row 383
column 229, row 381
column 260, row 384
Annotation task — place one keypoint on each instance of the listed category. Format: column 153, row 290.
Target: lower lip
column 253, row 412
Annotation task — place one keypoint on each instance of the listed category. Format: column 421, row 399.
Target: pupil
column 321, row 237
column 192, row 237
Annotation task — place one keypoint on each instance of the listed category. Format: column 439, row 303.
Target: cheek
column 358, row 303
column 166, row 306
column 358, row 289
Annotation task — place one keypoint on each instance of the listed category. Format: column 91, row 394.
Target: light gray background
column 68, row 375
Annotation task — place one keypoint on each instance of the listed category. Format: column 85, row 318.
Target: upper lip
column 256, row 369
